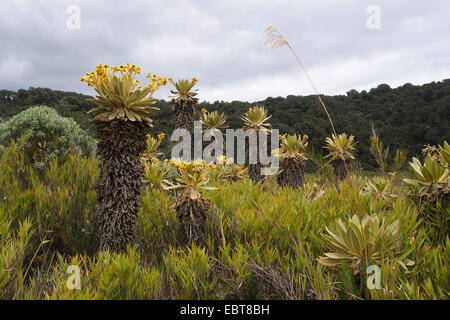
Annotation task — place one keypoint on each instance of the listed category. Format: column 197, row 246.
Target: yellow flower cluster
column 156, row 81
column 195, row 165
column 97, row 77
column 204, row 111
column 278, row 151
column 161, row 136
column 221, row 159
column 194, row 80
column 103, row 73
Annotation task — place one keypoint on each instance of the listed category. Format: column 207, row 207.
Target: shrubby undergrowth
column 263, row 241
column 50, row 136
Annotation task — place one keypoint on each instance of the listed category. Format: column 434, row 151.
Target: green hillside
column 408, row 116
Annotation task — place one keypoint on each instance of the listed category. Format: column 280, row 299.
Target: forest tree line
column 408, row 117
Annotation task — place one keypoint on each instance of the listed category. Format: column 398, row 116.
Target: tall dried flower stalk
column 276, row 39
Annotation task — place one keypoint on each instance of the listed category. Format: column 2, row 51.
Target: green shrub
column 50, row 135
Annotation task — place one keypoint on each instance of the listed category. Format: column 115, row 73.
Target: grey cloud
column 222, row 43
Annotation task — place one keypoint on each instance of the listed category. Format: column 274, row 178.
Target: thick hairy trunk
column 192, row 216
column 183, row 115
column 254, row 170
column 292, row 173
column 120, row 182
column 341, row 169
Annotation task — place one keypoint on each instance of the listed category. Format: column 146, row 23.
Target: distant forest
column 408, row 117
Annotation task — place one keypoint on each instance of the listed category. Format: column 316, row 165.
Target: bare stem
column 278, row 40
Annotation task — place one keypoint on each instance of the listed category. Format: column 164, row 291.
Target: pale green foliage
column 294, row 146
column 236, row 172
column 445, row 153
column 190, row 272
column 216, row 173
column 379, row 152
column 367, row 240
column 191, row 179
column 255, row 118
column 313, row 191
column 183, row 91
column 108, row 276
column 50, row 135
column 214, row 120
column 121, row 96
column 380, row 187
column 157, row 172
column 225, row 169
column 340, row 146
column 61, row 198
column 152, row 148
column 432, row 178
column 399, row 159
column 14, row 250
column 119, row 99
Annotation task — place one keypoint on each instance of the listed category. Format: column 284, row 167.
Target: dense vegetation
column 408, row 117
column 262, row 240
column 141, row 227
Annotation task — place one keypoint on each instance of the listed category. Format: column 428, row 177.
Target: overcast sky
column 222, row 44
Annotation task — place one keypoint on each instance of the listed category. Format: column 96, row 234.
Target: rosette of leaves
column 236, row 172
column 191, row 206
column 213, row 120
column 359, row 241
column 432, row 178
column 256, row 119
column 380, row 187
column 157, row 173
column 340, row 150
column 121, row 96
column 292, row 161
column 153, row 144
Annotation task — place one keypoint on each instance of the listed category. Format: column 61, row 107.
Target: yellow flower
column 277, row 151
column 204, row 110
column 221, row 159
column 161, row 136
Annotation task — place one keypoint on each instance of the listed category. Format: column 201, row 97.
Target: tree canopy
column 407, row 117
